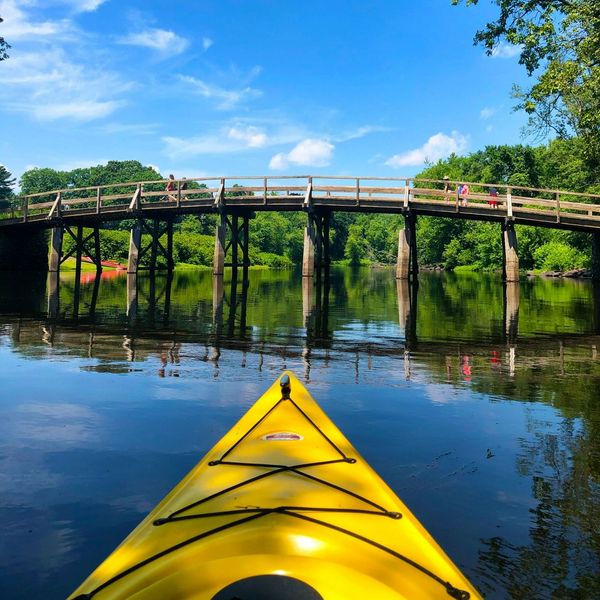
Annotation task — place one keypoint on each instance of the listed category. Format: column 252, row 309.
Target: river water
column 478, row 404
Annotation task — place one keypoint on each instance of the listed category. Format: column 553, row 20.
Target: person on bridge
column 463, row 193
column 171, row 187
column 493, row 201
column 447, row 188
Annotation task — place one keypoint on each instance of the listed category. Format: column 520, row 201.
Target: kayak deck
column 283, row 501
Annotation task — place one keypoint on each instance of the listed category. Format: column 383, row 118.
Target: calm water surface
column 479, row 405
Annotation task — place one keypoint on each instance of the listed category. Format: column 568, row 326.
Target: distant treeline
column 276, row 239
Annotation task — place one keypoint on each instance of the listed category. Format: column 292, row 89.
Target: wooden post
column 308, row 258
column 511, row 256
column 406, row 194
column 135, row 246
column 509, row 208
column 406, row 263
column 403, row 261
column 98, row 200
column 557, row 207
column 219, row 255
column 55, row 249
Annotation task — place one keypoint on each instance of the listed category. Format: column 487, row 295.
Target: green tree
column 559, row 44
column 6, row 183
column 4, row 46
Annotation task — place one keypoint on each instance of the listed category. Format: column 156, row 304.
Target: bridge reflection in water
column 226, row 326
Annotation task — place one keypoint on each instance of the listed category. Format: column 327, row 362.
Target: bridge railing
column 296, row 191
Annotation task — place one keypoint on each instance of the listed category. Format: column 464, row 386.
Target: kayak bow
column 282, row 508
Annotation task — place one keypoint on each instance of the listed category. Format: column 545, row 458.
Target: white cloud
column 359, row 133
column 48, row 86
column 252, row 136
column 489, row 128
column 85, row 5
column 19, row 26
column 226, row 99
column 232, row 137
column 487, row 112
column 504, row 50
column 81, row 110
column 133, row 128
column 206, row 43
column 308, row 153
column 224, row 142
column 438, row 146
column 164, row 41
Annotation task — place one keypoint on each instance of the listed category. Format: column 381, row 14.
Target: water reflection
column 476, row 401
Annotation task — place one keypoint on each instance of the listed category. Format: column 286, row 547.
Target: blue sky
column 234, row 87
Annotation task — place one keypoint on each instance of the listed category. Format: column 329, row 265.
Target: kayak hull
column 282, row 500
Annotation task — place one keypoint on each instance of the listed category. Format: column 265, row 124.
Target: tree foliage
column 4, row 46
column 114, row 171
column 6, row 183
column 559, row 43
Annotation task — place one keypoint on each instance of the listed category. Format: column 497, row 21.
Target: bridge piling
column 316, row 243
column 135, row 247
column 510, row 263
column 308, row 255
column 407, row 264
column 56, row 240
column 219, row 254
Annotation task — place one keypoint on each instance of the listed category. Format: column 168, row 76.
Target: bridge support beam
column 56, row 240
column 137, row 251
column 407, row 266
column 596, row 256
column 233, row 237
column 80, row 248
column 510, row 266
column 135, row 248
column 316, row 244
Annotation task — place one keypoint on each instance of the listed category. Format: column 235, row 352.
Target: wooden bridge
column 237, row 198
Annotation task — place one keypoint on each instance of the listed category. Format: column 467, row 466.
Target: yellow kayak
column 282, row 508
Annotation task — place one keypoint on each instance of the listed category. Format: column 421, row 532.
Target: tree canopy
column 114, row 171
column 6, row 183
column 559, row 44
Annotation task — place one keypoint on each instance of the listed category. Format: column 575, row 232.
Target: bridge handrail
column 70, row 190
column 341, row 191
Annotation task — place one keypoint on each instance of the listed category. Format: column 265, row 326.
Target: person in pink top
column 464, row 193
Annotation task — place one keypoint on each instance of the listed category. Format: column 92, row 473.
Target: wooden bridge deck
column 532, row 206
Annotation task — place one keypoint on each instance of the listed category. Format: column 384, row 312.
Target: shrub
column 558, row 256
